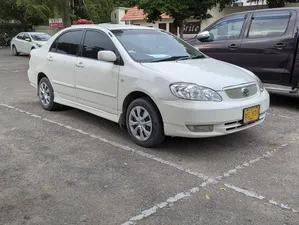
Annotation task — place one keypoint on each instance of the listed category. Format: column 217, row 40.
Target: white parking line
column 253, row 161
column 169, row 201
column 115, row 144
column 260, row 197
column 211, row 181
column 208, row 180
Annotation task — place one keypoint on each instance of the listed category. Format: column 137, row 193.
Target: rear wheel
column 15, row 51
column 46, row 95
column 144, row 123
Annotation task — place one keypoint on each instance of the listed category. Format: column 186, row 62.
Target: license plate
column 251, row 114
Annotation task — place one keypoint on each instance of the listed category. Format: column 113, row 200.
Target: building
column 117, row 15
column 136, row 16
column 250, row 2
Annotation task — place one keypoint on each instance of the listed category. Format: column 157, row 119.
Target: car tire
column 15, row 51
column 144, row 123
column 46, row 95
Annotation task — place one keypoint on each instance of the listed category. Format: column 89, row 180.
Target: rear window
column 269, row 24
column 68, row 43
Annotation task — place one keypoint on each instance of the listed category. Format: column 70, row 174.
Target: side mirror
column 107, row 56
column 203, row 35
column 28, row 39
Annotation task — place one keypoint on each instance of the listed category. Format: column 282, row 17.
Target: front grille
column 241, row 92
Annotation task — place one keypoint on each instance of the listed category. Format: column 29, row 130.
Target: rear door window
column 269, row 24
column 20, row 36
column 68, row 43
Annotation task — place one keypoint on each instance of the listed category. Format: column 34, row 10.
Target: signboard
column 56, row 23
column 192, row 28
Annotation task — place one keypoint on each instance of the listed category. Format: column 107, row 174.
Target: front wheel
column 144, row 123
column 46, row 95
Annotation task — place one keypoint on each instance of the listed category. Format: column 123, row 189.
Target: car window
column 268, row 24
column 227, row 29
column 150, row 45
column 53, row 47
column 68, row 43
column 26, row 36
column 40, row 37
column 94, row 42
column 20, row 36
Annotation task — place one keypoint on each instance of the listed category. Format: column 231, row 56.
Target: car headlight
column 194, row 92
column 260, row 84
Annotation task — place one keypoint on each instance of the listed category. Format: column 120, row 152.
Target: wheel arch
column 40, row 76
column 127, row 101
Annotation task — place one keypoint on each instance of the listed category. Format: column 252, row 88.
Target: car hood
column 206, row 72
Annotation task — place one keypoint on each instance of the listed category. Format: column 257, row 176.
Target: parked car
column 26, row 41
column 262, row 41
column 147, row 80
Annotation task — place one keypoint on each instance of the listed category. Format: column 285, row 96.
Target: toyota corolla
column 150, row 82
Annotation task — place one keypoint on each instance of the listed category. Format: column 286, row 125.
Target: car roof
column 32, row 33
column 109, row 26
column 265, row 10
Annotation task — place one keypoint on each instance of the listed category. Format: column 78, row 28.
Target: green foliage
column 99, row 10
column 27, row 12
column 39, row 11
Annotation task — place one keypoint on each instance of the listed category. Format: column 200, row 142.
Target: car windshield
column 147, row 45
column 40, row 37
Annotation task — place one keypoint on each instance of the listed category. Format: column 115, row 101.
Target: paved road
column 70, row 167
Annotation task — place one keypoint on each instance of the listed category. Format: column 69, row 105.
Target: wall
column 117, row 14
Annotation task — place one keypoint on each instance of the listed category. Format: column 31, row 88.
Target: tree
column 27, row 12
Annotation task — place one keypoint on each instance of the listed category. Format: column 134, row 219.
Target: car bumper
column 225, row 117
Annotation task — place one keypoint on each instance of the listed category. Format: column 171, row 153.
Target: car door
column 61, row 64
column 268, row 44
column 27, row 43
column 19, row 42
column 97, row 81
column 225, row 39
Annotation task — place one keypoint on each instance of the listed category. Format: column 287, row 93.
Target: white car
column 147, row 80
column 26, row 41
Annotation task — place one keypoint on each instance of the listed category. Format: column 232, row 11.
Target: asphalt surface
column 70, row 167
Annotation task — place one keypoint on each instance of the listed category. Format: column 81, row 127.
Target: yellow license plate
column 251, row 114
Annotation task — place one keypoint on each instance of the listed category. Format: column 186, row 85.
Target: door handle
column 280, row 46
column 232, row 46
column 80, row 64
column 50, row 58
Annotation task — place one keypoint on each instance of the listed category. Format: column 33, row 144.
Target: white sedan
column 26, row 41
column 147, row 80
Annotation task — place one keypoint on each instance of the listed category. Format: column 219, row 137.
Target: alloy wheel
column 44, row 94
column 140, row 123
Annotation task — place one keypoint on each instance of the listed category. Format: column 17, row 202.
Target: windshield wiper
column 177, row 58
column 197, row 57
column 172, row 58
